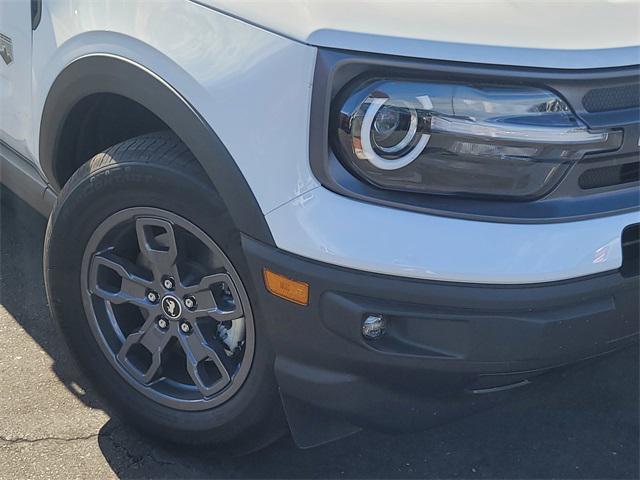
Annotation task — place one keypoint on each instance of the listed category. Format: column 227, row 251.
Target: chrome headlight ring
column 368, row 151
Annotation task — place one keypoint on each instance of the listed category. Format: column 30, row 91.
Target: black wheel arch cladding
column 97, row 74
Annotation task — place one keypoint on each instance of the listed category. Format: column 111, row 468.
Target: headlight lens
column 454, row 138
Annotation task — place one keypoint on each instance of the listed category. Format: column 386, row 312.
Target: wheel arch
column 103, row 74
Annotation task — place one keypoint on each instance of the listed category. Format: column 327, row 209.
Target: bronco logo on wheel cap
column 171, row 306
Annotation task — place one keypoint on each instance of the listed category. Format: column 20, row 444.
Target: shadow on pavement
column 583, row 426
column 22, row 291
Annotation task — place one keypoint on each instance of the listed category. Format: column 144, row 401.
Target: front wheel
column 147, row 280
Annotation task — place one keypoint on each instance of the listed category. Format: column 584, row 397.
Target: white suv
column 323, row 215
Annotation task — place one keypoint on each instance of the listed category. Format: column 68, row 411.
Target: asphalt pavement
column 582, row 425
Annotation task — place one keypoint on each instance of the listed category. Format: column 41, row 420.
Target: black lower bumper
column 449, row 348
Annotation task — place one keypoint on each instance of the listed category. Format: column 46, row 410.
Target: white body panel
column 337, row 230
column 254, row 88
column 534, row 33
column 15, row 77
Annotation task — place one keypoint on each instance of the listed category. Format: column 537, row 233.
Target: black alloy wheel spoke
column 132, row 288
column 151, row 338
column 207, row 306
column 197, row 351
column 161, row 254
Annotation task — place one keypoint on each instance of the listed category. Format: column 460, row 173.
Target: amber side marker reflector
column 284, row 287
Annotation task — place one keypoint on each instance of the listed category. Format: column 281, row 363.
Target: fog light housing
column 373, row 327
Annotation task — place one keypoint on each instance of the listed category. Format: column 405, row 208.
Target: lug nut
column 190, row 302
column 162, row 323
column 185, row 327
column 169, row 283
column 152, row 296
column 373, row 327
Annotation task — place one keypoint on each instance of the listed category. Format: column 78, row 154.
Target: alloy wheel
column 168, row 308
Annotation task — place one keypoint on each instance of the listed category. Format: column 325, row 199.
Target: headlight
column 454, row 138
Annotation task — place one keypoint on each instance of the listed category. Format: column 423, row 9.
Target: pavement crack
column 133, row 460
column 18, row 440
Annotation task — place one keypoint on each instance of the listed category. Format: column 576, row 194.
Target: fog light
column 373, row 327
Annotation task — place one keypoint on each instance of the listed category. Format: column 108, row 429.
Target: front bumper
column 449, row 347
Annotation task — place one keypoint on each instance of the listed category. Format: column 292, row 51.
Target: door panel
column 15, row 75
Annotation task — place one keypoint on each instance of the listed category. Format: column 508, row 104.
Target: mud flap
column 311, row 426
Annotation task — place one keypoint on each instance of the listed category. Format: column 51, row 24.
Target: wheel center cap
column 171, row 307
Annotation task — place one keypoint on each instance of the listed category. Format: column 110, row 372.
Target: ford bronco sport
column 323, row 215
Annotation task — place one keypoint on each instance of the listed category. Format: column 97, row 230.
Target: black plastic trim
column 111, row 74
column 36, row 13
column 20, row 176
column 336, row 68
column 447, row 344
column 631, row 251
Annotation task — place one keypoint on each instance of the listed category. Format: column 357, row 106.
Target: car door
column 15, row 74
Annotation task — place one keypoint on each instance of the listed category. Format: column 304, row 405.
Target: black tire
column 155, row 170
